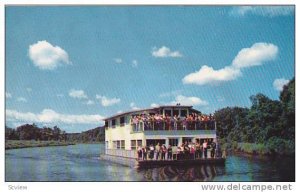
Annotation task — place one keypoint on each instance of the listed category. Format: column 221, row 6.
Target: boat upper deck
column 164, row 118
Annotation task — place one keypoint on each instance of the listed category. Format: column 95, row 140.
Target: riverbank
column 18, row 144
column 257, row 149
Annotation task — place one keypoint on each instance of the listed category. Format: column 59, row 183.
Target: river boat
column 131, row 136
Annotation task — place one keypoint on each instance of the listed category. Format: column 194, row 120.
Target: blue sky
column 72, row 66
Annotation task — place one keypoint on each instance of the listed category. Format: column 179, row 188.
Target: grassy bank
column 264, row 149
column 17, row 144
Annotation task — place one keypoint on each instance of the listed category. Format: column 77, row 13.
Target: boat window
column 106, row 124
column 186, row 139
column 155, row 141
column 118, row 144
column 133, row 144
column 183, row 112
column 122, row 144
column 139, row 143
column 173, row 142
column 175, row 112
column 113, row 123
column 168, row 112
column 122, row 121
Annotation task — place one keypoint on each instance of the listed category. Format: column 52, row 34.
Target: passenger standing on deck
column 205, row 148
column 175, row 119
column 213, row 149
column 157, row 150
column 186, row 150
column 144, row 153
column 184, row 123
column 163, row 152
column 197, row 149
column 140, row 153
column 151, row 155
column 170, row 152
column 136, row 122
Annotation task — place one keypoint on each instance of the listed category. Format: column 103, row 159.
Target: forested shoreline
column 30, row 135
column 266, row 128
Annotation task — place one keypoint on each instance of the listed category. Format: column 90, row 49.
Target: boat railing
column 173, row 126
column 182, row 156
column 121, row 153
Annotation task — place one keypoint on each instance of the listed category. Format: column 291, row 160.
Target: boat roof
column 150, row 109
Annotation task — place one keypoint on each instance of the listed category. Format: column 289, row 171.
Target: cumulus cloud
column 118, row 60
column 268, row 11
column 208, row 75
column 154, row 105
column 184, row 100
column 8, row 95
column 279, row 83
column 50, row 116
column 256, row 55
column 21, row 99
column 77, row 94
column 45, row 56
column 105, row 102
column 165, row 52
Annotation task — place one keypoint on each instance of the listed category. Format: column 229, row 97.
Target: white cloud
column 256, row 55
column 78, row 94
column 90, row 102
column 207, row 75
column 279, row 83
column 46, row 56
column 107, row 101
column 154, row 105
column 118, row 60
column 8, row 95
column 120, row 111
column 183, row 100
column 165, row 52
column 134, row 63
column 269, row 11
column 133, row 106
column 50, row 116
column 21, row 99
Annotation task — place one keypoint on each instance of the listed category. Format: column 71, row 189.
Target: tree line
column 33, row 132
column 269, row 124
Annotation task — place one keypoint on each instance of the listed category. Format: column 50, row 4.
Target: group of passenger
column 193, row 121
column 186, row 150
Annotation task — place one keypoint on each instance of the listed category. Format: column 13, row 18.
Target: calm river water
column 81, row 163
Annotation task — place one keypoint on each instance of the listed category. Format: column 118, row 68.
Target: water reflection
column 82, row 163
column 173, row 173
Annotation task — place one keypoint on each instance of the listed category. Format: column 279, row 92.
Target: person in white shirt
column 205, row 148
